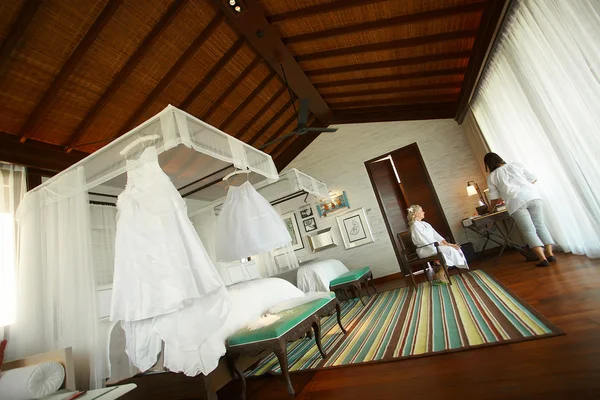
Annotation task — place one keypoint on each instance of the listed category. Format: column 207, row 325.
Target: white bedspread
column 250, row 300
column 315, row 277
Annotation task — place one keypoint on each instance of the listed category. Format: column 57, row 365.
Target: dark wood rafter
column 491, row 20
column 43, row 106
column 391, row 45
column 247, row 100
column 392, row 78
column 394, row 101
column 396, row 113
column 265, row 39
column 389, row 90
column 386, row 23
column 212, row 73
column 219, row 101
column 171, row 74
column 126, row 71
column 284, row 143
column 336, row 5
column 294, row 148
column 270, row 122
column 261, row 112
column 286, row 127
column 17, row 29
column 401, row 62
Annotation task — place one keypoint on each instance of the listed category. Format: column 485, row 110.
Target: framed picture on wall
column 291, row 223
column 355, row 228
column 310, row 225
column 306, row 212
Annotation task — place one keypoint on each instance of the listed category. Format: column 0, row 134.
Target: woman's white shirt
column 513, row 184
column 423, row 234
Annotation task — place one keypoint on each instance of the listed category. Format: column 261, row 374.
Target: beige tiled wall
column 338, row 160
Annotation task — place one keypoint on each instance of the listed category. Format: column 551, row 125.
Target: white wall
column 338, row 160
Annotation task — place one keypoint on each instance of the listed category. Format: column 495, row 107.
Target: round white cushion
column 31, row 382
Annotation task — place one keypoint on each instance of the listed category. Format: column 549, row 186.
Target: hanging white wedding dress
column 248, row 225
column 165, row 285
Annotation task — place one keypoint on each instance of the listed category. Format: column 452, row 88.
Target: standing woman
column 514, row 184
column 423, row 236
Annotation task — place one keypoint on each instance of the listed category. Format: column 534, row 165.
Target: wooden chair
column 412, row 260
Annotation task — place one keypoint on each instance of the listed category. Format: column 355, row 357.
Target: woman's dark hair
column 492, row 161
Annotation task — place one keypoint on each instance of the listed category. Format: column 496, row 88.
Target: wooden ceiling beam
column 212, row 73
column 396, row 113
column 295, row 147
column 393, row 101
column 171, row 74
column 261, row 112
column 270, row 122
column 43, row 106
column 285, row 142
column 336, row 5
column 243, row 75
column 283, row 128
column 36, row 154
column 401, row 62
column 491, row 20
column 253, row 24
column 17, row 29
column 391, row 45
column 247, row 100
column 386, row 23
column 389, row 90
column 126, row 71
column 392, row 78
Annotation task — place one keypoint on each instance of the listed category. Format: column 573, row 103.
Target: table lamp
column 473, row 189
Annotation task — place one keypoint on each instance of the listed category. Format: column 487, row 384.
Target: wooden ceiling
column 75, row 74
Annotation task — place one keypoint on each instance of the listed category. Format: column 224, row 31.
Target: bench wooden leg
column 281, row 353
column 372, row 284
column 338, row 311
column 357, row 289
column 317, row 328
column 236, row 371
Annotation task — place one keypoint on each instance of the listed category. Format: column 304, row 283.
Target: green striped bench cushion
column 350, row 276
column 289, row 319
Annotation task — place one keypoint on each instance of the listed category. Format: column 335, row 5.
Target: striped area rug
column 475, row 311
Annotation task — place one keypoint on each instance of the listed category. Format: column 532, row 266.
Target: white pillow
column 31, row 382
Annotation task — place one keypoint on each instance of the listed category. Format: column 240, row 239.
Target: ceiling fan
column 302, row 128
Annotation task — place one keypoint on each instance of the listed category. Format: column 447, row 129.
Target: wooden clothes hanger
column 237, row 172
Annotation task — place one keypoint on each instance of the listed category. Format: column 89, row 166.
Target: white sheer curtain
column 12, row 190
column 539, row 103
column 56, row 293
column 104, row 231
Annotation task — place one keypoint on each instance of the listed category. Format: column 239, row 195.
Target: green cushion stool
column 352, row 281
column 294, row 323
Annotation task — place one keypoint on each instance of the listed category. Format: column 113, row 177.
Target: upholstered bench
column 352, row 281
column 294, row 323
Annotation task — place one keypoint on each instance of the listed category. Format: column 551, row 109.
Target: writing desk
column 488, row 227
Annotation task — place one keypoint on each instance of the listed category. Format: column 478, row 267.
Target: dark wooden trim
column 390, row 45
column 43, row 106
column 243, row 75
column 36, row 154
column 395, row 113
column 390, row 90
column 392, row 78
column 294, row 145
column 248, row 100
column 394, row 101
column 127, row 69
column 171, row 74
column 401, row 62
column 34, row 177
column 491, row 21
column 386, row 23
column 283, row 128
column 212, row 73
column 261, row 112
column 265, row 39
column 270, row 122
column 336, row 5
column 17, row 29
column 282, row 146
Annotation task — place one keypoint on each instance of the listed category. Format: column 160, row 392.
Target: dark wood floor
column 568, row 293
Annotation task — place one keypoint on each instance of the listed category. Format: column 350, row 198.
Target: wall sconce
column 473, row 189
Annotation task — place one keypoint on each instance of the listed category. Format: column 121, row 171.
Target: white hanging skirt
column 248, row 225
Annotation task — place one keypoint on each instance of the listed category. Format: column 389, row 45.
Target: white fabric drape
column 539, row 103
column 56, row 294
column 104, row 231
column 12, row 190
